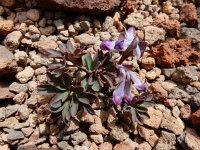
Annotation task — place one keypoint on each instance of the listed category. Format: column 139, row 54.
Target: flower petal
column 138, row 84
column 118, row 93
column 142, row 46
column 127, row 92
column 107, row 45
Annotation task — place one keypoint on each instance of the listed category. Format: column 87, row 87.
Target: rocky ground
column 171, row 65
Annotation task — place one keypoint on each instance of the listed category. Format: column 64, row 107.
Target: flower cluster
column 76, row 78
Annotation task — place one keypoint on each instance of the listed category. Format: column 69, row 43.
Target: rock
column 148, row 63
column 21, row 17
column 4, row 89
column 44, row 129
column 17, row 87
column 160, row 94
column 144, row 146
column 85, row 39
column 78, row 138
column 196, row 118
column 27, row 131
column 93, row 146
column 192, row 140
column 138, row 20
column 7, row 3
column 49, row 30
column 59, row 25
column 5, row 147
column 148, row 134
column 166, row 141
column 185, row 112
column 122, row 146
column 189, row 18
column 185, row 75
column 20, row 98
column 12, row 109
column 33, row 14
column 7, row 61
column 178, row 93
column 175, row 53
column 194, row 101
column 6, row 26
column 9, row 123
column 85, row 25
column 172, row 124
column 155, row 118
column 63, row 145
column 21, row 57
column 97, row 138
column 44, row 45
column 24, row 112
column 25, row 75
column 153, row 34
column 175, row 111
column 168, row 85
column 168, row 72
column 118, row 133
column 98, row 129
column 87, row 118
column 14, row 135
column 32, row 101
column 12, row 40
column 34, row 136
column 170, row 102
column 95, row 7
column 191, row 33
column 105, row 146
column 153, row 74
column 172, row 27
column 112, row 118
column 2, row 113
column 131, row 143
column 108, row 23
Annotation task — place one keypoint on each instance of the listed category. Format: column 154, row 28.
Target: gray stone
column 32, row 101
column 166, row 141
column 118, row 133
column 17, row 87
column 97, row 138
column 185, row 75
column 2, row 113
column 195, row 100
column 191, row 33
column 85, row 25
column 24, row 112
column 14, row 135
column 178, row 93
column 33, row 14
column 10, row 110
column 59, row 25
column 168, row 72
column 63, row 145
column 78, row 138
column 44, row 129
column 9, row 123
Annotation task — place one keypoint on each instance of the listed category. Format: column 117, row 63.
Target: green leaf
column 53, row 53
column 88, row 95
column 65, row 113
column 84, row 84
column 134, row 115
column 53, row 110
column 83, row 100
column 95, row 87
column 59, row 97
column 89, row 109
column 47, row 89
column 74, row 106
column 69, row 46
column 87, row 61
column 107, row 79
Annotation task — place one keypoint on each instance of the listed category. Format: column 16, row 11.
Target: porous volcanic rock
column 82, row 6
column 173, row 53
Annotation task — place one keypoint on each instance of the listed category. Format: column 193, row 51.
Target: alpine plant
column 76, row 78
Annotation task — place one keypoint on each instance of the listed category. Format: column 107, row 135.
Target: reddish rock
column 105, row 146
column 160, row 94
column 4, row 89
column 130, row 5
column 172, row 27
column 122, row 147
column 185, row 112
column 173, row 53
column 196, row 118
column 6, row 26
column 188, row 14
column 82, row 6
column 192, row 139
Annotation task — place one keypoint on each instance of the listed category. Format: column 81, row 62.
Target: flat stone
column 9, row 123
column 14, row 135
column 83, row 6
column 17, row 87
column 7, row 61
column 4, row 90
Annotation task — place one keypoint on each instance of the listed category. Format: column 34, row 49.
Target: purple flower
column 127, row 41
column 123, row 90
